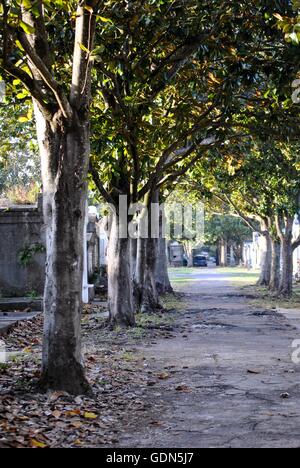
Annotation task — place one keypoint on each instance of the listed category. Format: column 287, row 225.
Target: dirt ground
column 214, row 371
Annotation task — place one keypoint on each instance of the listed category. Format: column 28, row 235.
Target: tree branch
column 95, row 175
column 46, row 75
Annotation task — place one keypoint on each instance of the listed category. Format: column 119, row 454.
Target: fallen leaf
column 183, row 388
column 76, row 424
column 73, row 413
column 254, row 371
column 35, row 443
column 77, row 442
column 90, row 415
column 163, row 376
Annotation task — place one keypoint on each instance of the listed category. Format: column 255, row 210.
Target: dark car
column 200, row 261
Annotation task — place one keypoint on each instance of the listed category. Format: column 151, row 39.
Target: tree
column 35, row 44
column 226, row 231
column 164, row 99
column 236, row 176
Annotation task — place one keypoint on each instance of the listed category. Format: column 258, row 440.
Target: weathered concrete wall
column 21, row 228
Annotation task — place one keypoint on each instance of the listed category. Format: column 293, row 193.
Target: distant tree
column 19, row 157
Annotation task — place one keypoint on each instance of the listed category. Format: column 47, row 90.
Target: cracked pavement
column 230, row 380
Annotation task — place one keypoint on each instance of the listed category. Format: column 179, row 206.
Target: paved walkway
column 229, row 377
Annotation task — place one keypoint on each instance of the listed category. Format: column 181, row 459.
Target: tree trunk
column 223, row 253
column 120, row 290
column 146, row 294
column 139, row 273
column 162, row 279
column 286, row 280
column 232, row 257
column 63, row 132
column 275, row 265
column 133, row 255
column 189, row 253
column 150, row 299
column 265, row 266
column 65, row 150
column 163, row 284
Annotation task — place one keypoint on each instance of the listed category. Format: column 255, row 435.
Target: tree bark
column 232, row 257
column 223, row 253
column 189, row 254
column 286, row 280
column 146, row 294
column 265, row 266
column 120, row 284
column 275, row 265
column 138, row 282
column 162, row 279
column 150, row 299
column 65, row 150
column 163, row 283
column 284, row 226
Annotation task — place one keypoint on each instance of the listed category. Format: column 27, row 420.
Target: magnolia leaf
column 35, row 443
column 27, row 27
column 104, row 20
column 89, row 9
column 90, row 415
column 82, row 47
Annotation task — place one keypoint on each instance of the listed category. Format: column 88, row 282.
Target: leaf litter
column 118, row 374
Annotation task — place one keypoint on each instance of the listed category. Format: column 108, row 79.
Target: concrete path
column 229, row 378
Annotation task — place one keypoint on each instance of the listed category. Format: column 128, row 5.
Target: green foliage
column 226, row 227
column 171, row 74
column 26, row 255
column 19, row 158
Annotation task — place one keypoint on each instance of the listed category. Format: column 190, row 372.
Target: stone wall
column 22, row 256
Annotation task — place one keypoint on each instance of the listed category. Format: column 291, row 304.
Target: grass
column 153, row 320
column 171, row 302
column 234, row 275
column 241, row 278
column 269, row 300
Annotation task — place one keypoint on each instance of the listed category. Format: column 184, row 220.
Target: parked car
column 200, row 261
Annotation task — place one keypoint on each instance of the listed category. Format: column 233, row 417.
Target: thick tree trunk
column 65, row 150
column 275, row 265
column 286, row 280
column 265, row 267
column 150, row 299
column 120, row 285
column 146, row 294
